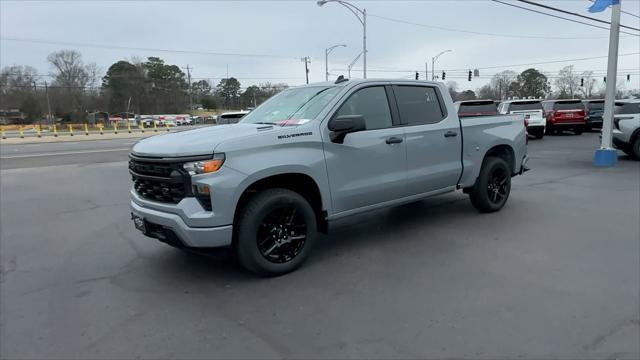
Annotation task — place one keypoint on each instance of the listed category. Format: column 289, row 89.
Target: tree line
column 74, row 89
column 532, row 83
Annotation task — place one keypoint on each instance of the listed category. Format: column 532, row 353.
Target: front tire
column 275, row 232
column 493, row 186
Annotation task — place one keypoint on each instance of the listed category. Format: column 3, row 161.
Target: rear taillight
column 526, row 132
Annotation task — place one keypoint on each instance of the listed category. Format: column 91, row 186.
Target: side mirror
column 342, row 125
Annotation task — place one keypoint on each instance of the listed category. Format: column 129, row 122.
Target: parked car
column 148, row 122
column 469, row 108
column 532, row 112
column 231, row 117
column 314, row 154
column 626, row 127
column 564, row 115
column 594, row 108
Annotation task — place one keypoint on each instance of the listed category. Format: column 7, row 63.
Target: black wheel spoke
column 282, row 234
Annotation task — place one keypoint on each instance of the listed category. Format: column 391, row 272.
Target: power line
column 505, row 66
column 560, row 17
column 104, row 46
column 572, row 13
column 478, row 32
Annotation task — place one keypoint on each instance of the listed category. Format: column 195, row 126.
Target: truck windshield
column 292, row 106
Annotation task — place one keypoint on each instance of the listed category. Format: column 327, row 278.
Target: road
column 62, row 153
column 555, row 274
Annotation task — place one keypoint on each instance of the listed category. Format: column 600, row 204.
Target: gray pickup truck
column 313, row 154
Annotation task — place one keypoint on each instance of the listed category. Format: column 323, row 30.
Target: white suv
column 626, row 127
column 532, row 111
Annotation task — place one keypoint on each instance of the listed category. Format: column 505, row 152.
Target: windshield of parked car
column 568, row 105
column 477, row 108
column 524, row 106
column 292, row 106
column 595, row 105
column 626, row 108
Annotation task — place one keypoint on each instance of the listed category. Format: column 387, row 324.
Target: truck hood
column 196, row 142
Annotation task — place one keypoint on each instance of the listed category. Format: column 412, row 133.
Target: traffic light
column 444, row 75
column 605, row 79
column 581, row 81
column 470, row 73
column 417, row 76
column 628, row 77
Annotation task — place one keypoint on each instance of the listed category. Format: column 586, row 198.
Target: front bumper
column 194, row 237
column 618, row 142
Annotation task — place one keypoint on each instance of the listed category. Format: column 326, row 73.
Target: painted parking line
column 63, row 153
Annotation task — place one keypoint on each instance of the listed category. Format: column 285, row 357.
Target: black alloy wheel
column 497, row 187
column 282, row 234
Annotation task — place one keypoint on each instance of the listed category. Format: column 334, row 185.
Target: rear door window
column 419, row 105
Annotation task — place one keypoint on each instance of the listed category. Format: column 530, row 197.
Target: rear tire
column 275, row 232
column 493, row 186
column 578, row 131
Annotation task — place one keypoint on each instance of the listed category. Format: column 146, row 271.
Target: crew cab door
column 369, row 166
column 433, row 138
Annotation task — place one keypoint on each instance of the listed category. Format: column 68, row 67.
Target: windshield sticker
column 289, row 136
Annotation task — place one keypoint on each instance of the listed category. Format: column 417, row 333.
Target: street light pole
column 362, row 17
column 433, row 64
column 328, row 51
column 351, row 65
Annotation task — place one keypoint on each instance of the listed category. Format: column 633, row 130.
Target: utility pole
column 607, row 156
column 190, row 89
column 46, row 92
column 426, row 70
column 306, row 61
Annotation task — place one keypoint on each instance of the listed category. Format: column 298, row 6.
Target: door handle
column 450, row 134
column 393, row 140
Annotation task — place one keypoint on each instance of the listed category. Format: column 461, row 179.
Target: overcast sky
column 285, row 31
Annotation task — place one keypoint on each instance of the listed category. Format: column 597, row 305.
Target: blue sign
column 602, row 5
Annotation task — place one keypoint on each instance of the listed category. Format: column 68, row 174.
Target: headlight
column 205, row 166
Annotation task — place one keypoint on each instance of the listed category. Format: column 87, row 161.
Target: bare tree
column 567, row 82
column 18, row 90
column 589, row 84
column 69, row 70
column 452, row 86
column 501, row 83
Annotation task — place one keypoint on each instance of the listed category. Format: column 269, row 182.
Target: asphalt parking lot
column 555, row 274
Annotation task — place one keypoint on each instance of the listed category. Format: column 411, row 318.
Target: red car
column 564, row 115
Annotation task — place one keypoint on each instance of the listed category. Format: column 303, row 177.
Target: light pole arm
column 354, row 10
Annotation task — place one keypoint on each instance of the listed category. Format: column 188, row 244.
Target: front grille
column 159, row 181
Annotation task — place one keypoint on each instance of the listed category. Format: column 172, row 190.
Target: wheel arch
column 299, row 182
column 504, row 152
